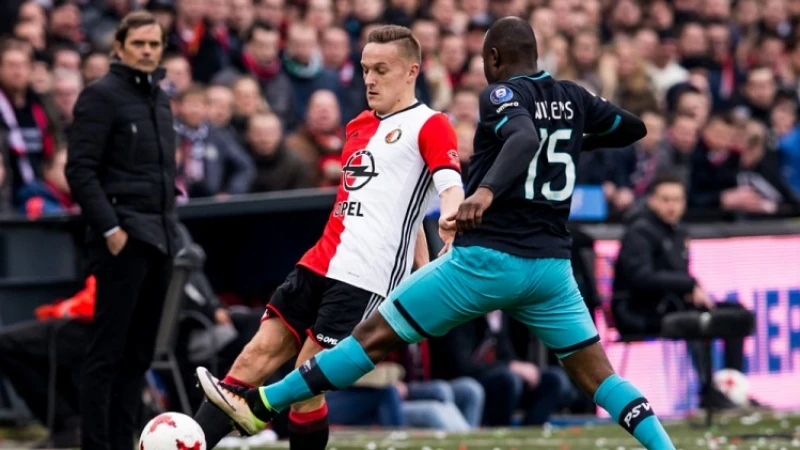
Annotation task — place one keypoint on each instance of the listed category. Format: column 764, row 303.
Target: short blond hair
column 399, row 35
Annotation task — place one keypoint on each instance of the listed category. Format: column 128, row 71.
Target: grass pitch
column 743, row 431
column 755, row 430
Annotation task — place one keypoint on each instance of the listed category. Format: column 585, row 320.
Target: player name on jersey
column 554, row 111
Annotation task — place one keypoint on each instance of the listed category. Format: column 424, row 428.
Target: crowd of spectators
column 262, row 89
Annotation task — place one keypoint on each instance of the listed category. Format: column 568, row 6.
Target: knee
column 377, row 338
column 441, row 391
column 470, row 388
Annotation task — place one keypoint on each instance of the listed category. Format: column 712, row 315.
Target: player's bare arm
column 623, row 131
column 521, row 143
column 421, row 255
column 449, row 201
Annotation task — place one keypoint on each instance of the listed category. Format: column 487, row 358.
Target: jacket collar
column 142, row 80
column 652, row 217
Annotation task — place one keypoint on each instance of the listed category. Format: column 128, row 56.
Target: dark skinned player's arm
column 629, row 130
column 521, row 143
column 606, row 124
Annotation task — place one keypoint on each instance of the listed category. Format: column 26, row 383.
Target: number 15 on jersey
column 553, row 157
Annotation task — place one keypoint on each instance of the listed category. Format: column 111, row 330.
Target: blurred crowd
column 262, row 89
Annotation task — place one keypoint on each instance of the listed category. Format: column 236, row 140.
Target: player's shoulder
column 500, row 92
column 366, row 118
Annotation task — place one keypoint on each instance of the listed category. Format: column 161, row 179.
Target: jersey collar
column 541, row 75
column 413, row 105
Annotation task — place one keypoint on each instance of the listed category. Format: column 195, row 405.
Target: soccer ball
column 733, row 384
column 172, row 431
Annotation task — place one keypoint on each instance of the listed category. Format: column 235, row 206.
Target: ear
column 495, row 56
column 413, row 70
column 117, row 46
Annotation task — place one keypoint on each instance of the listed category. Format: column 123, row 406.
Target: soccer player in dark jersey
column 513, row 248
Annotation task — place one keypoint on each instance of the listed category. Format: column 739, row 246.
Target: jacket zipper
column 154, row 117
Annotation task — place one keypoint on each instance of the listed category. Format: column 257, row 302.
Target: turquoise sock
column 633, row 412
column 332, row 369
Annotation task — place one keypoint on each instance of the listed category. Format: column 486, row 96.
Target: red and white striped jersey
column 387, row 172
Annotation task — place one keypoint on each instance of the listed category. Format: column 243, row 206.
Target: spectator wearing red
column 320, row 139
column 65, row 25
column 219, row 14
column 261, row 60
column 56, row 341
column 336, row 54
column 31, row 131
column 51, row 194
column 277, row 168
column 192, row 37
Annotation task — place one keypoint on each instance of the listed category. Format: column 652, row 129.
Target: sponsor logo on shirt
column 504, row 106
column 359, row 170
column 322, row 339
column 453, row 157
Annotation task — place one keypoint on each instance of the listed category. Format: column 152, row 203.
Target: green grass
column 734, row 432
column 753, row 430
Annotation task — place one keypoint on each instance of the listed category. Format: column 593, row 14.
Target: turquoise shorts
column 469, row 282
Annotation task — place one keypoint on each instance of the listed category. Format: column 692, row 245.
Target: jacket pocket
column 134, row 143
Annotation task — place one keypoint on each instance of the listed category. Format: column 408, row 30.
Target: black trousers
column 28, row 353
column 130, row 295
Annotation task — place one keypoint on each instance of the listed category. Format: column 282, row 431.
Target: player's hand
column 525, row 370
column 470, row 212
column 447, row 232
column 222, row 317
column 402, row 389
column 701, row 299
column 117, row 241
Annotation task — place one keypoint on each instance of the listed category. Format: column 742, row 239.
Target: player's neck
column 403, row 103
column 509, row 72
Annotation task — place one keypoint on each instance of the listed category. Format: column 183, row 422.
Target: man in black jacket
column 652, row 273
column 121, row 171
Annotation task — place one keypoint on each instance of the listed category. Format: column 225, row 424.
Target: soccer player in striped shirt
column 396, row 156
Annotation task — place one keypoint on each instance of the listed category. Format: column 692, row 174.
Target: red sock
column 236, row 382
column 309, row 430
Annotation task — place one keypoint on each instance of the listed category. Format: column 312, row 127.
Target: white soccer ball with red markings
column 172, row 431
column 734, row 385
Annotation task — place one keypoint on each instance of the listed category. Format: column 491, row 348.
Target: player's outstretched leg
column 592, row 371
column 272, row 346
column 333, row 369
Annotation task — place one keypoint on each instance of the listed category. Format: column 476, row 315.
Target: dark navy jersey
column 530, row 218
